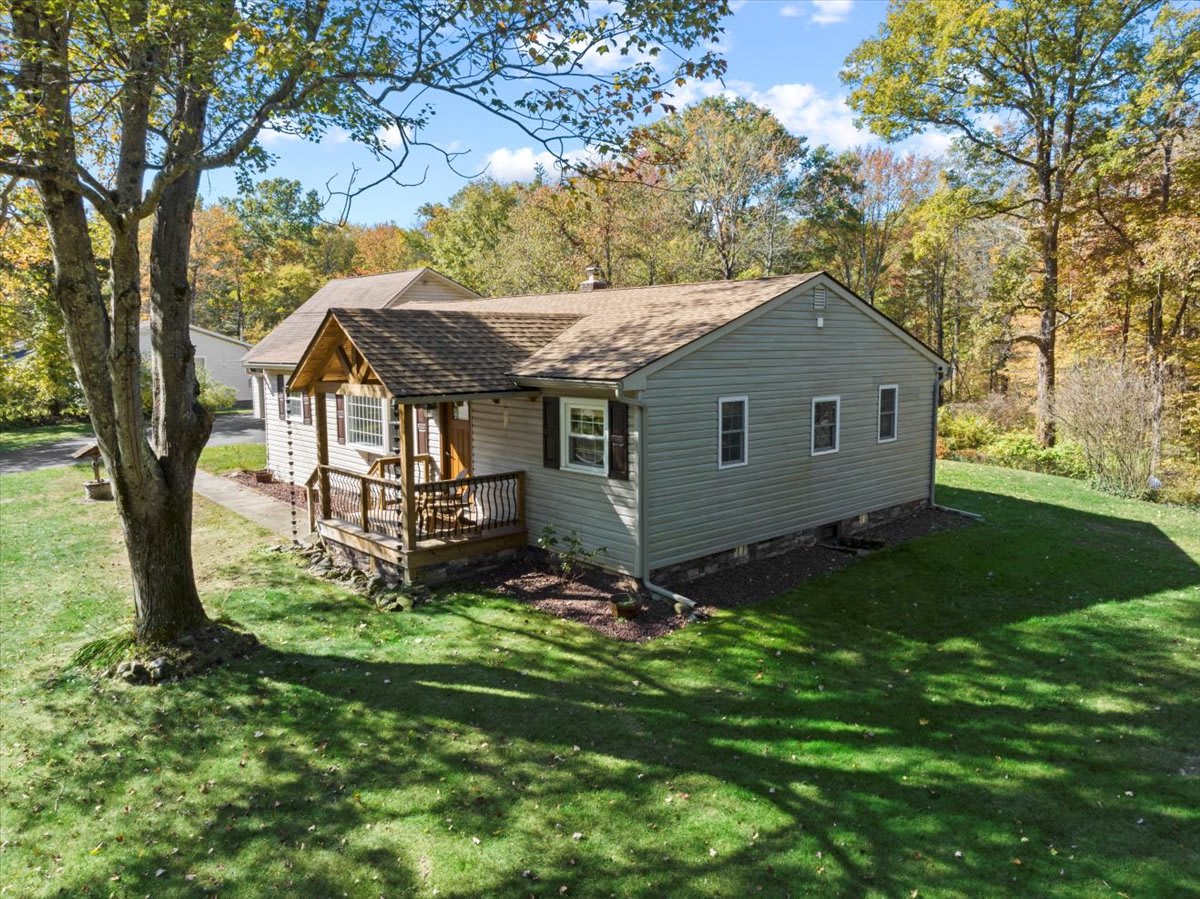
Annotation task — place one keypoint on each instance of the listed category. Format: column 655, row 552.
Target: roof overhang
column 332, row 363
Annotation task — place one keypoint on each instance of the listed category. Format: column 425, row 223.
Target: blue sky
column 784, row 55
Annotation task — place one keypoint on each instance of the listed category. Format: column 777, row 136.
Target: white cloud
column 931, row 143
column 789, row 11
column 830, row 12
column 518, row 165
column 505, row 164
column 269, row 136
column 803, row 108
column 391, row 138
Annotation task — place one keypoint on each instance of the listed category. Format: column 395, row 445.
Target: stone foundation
column 434, row 575
column 684, row 572
column 463, row 569
column 392, row 574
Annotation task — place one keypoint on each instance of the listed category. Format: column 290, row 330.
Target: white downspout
column 643, row 564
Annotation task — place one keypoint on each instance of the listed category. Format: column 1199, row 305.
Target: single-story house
column 672, row 428
column 220, row 354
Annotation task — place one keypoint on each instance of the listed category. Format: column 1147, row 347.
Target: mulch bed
column 585, row 599
column 764, row 578
column 275, row 489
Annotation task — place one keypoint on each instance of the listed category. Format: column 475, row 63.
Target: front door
column 456, row 428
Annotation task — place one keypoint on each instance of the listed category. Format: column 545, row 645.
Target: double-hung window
column 365, row 422
column 295, row 406
column 734, row 433
column 889, row 408
column 585, row 435
column 826, row 411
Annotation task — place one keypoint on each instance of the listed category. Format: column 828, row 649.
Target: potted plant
column 625, row 605
column 264, row 476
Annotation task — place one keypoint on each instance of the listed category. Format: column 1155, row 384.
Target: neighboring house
column 673, row 428
column 220, row 354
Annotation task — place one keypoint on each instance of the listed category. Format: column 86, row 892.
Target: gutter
column 643, row 565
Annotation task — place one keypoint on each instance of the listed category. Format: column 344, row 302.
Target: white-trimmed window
column 585, row 436
column 889, row 411
column 295, row 406
column 365, row 422
column 826, row 415
column 733, row 438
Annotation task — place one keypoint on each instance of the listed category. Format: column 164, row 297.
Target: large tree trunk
column 153, row 485
column 1047, row 326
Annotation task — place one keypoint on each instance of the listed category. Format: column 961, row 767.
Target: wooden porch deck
column 433, row 523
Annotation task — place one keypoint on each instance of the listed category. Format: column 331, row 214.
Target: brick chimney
column 594, row 281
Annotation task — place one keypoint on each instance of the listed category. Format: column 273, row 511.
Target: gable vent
column 819, row 299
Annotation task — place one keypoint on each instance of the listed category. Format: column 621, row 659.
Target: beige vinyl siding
column 429, row 288
column 780, row 361
column 256, row 394
column 304, row 440
column 602, row 510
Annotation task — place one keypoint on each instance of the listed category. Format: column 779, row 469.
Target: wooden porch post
column 319, row 422
column 408, row 480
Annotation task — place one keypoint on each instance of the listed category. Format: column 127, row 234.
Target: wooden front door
column 456, row 438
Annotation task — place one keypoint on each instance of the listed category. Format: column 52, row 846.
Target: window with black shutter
column 618, row 440
column 551, row 453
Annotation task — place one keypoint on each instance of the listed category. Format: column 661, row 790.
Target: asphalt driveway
column 230, row 428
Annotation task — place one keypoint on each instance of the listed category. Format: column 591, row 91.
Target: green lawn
column 21, row 437
column 1010, row 708
column 238, row 456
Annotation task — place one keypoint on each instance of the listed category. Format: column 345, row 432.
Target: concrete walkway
column 258, row 507
column 229, row 428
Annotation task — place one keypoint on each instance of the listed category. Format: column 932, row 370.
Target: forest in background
column 955, row 248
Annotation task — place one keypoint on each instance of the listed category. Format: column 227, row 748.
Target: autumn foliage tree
column 115, row 110
column 1029, row 89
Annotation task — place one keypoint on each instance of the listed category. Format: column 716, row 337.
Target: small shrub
column 962, row 430
column 1020, row 449
column 568, row 551
column 1006, row 412
column 1106, row 408
column 1180, row 484
column 214, row 396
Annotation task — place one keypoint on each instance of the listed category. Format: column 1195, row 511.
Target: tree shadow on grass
column 974, row 692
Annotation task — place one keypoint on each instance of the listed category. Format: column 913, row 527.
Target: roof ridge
column 485, row 313
column 605, row 290
column 399, row 271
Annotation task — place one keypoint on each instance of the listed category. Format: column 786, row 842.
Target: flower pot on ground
column 625, row 606
column 264, row 476
column 100, row 489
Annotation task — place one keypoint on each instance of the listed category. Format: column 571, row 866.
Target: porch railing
column 470, row 506
column 462, row 509
column 393, row 467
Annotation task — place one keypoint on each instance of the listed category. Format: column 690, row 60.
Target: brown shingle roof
column 426, row 353
column 284, row 345
column 622, row 330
